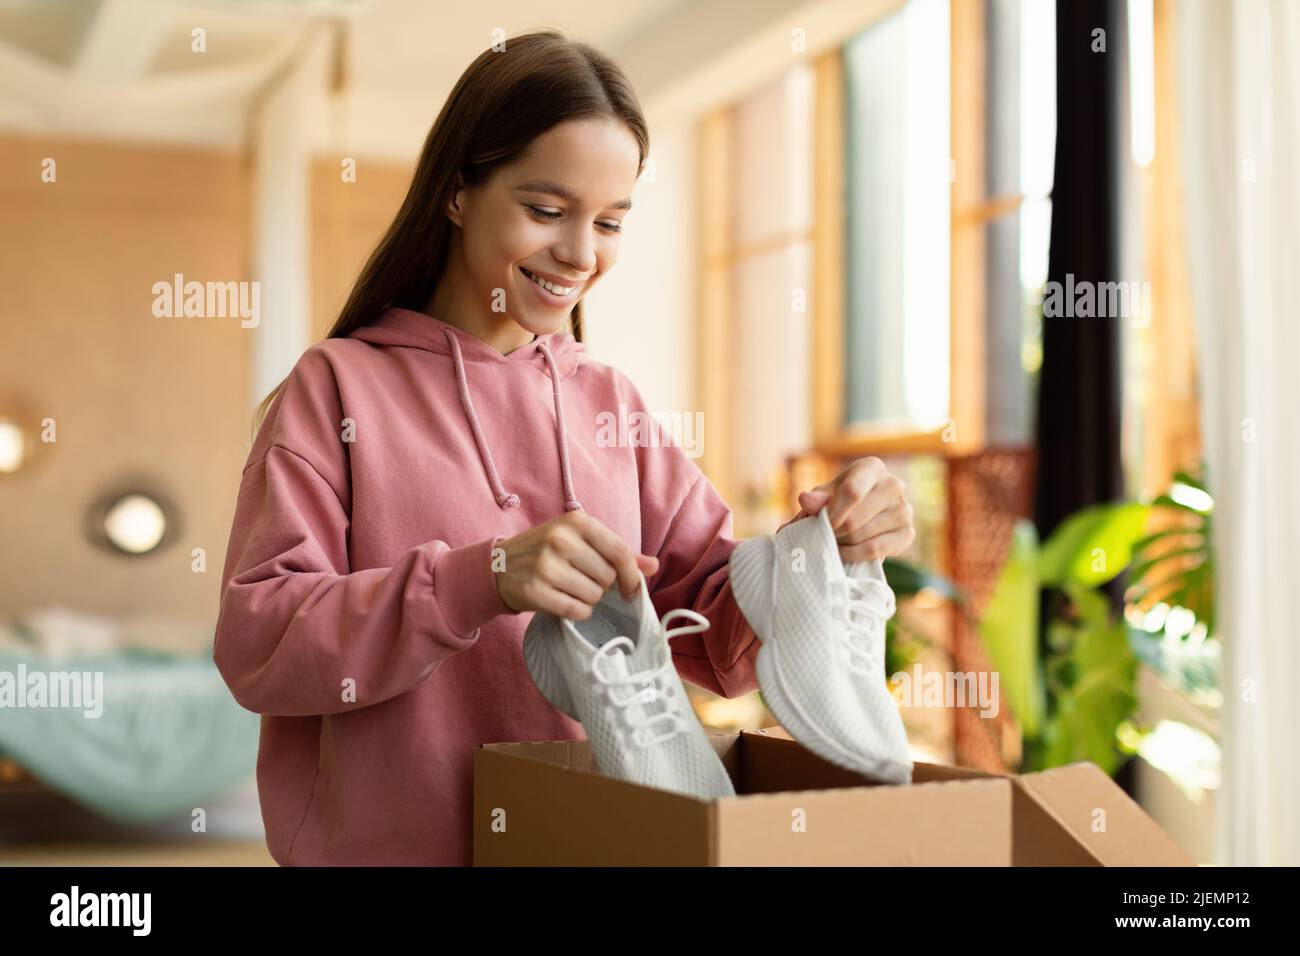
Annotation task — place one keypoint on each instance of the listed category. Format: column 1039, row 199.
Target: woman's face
column 553, row 215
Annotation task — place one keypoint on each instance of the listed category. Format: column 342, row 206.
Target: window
column 897, row 217
column 945, row 170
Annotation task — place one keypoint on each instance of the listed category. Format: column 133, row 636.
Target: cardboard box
column 544, row 804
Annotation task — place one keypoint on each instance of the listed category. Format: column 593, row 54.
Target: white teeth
column 548, row 286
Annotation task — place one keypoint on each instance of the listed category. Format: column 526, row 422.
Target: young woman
column 431, row 473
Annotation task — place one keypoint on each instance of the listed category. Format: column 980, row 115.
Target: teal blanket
column 135, row 736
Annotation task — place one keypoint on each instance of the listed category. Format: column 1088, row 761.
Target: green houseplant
column 1072, row 684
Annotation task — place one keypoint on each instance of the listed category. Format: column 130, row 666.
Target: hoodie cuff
column 465, row 587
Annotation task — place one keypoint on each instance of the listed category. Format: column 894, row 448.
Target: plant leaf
column 1141, row 544
column 1138, row 570
column 1108, row 531
column 906, row 579
column 1102, row 692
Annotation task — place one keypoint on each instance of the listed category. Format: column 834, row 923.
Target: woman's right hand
column 565, row 566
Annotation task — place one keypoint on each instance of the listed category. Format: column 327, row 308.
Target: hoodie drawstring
column 504, row 499
column 570, row 501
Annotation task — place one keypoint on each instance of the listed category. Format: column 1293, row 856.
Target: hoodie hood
column 558, row 354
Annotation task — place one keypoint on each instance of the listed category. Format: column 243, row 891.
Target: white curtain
column 1239, row 105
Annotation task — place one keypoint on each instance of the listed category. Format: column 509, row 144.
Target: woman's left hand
column 867, row 510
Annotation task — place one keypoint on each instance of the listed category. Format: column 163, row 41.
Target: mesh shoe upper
column 822, row 664
column 614, row 672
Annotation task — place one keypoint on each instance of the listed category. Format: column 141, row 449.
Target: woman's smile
column 558, row 295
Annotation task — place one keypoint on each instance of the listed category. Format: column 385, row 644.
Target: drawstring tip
column 509, row 501
column 572, row 505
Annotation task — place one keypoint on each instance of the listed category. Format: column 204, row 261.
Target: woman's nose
column 578, row 250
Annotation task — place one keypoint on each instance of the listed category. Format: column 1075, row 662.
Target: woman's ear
column 456, row 205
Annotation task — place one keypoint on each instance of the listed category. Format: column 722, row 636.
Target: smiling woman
column 413, row 489
column 510, row 182
column 539, row 233
column 436, row 470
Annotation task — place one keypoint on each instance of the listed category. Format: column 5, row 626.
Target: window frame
column 971, row 211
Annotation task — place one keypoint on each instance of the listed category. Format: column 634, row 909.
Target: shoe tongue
column 648, row 651
column 622, row 664
column 619, row 663
column 628, row 616
column 827, row 550
column 615, row 663
column 878, row 594
column 642, row 628
column 863, row 571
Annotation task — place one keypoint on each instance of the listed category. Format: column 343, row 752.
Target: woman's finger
column 614, row 550
column 590, row 562
column 881, row 546
column 886, row 493
column 857, row 482
column 554, row 601
column 813, row 500
column 893, row 518
column 560, row 574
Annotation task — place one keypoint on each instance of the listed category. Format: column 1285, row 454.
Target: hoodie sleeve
column 301, row 634
column 688, row 527
column 694, row 545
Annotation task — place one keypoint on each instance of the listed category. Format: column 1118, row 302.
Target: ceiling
column 378, row 69
column 129, row 68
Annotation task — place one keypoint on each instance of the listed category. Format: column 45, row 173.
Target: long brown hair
column 501, row 103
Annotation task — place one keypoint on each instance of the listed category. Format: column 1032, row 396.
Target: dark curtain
column 1078, row 423
column 1078, row 420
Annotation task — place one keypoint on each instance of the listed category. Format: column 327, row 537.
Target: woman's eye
column 548, row 215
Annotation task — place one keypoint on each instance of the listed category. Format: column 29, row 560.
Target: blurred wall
column 130, row 393
column 165, row 398
column 347, row 220
column 641, row 318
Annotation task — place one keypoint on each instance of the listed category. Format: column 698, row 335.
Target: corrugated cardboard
column 545, row 804
column 1102, row 822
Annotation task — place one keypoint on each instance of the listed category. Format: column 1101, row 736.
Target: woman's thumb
column 811, row 502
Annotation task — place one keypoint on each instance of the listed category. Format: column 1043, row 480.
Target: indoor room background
column 854, row 235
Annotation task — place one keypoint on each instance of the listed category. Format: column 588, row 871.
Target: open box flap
column 948, row 816
column 921, row 772
column 576, row 754
column 1105, row 820
column 548, row 809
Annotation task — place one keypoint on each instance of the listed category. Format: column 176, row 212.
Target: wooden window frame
column 971, row 211
column 719, row 255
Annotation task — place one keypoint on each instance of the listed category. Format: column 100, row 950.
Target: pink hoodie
column 359, row 608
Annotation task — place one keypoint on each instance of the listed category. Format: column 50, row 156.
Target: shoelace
column 862, row 651
column 627, row 689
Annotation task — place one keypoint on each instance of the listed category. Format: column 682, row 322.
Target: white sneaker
column 615, row 674
column 821, row 666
